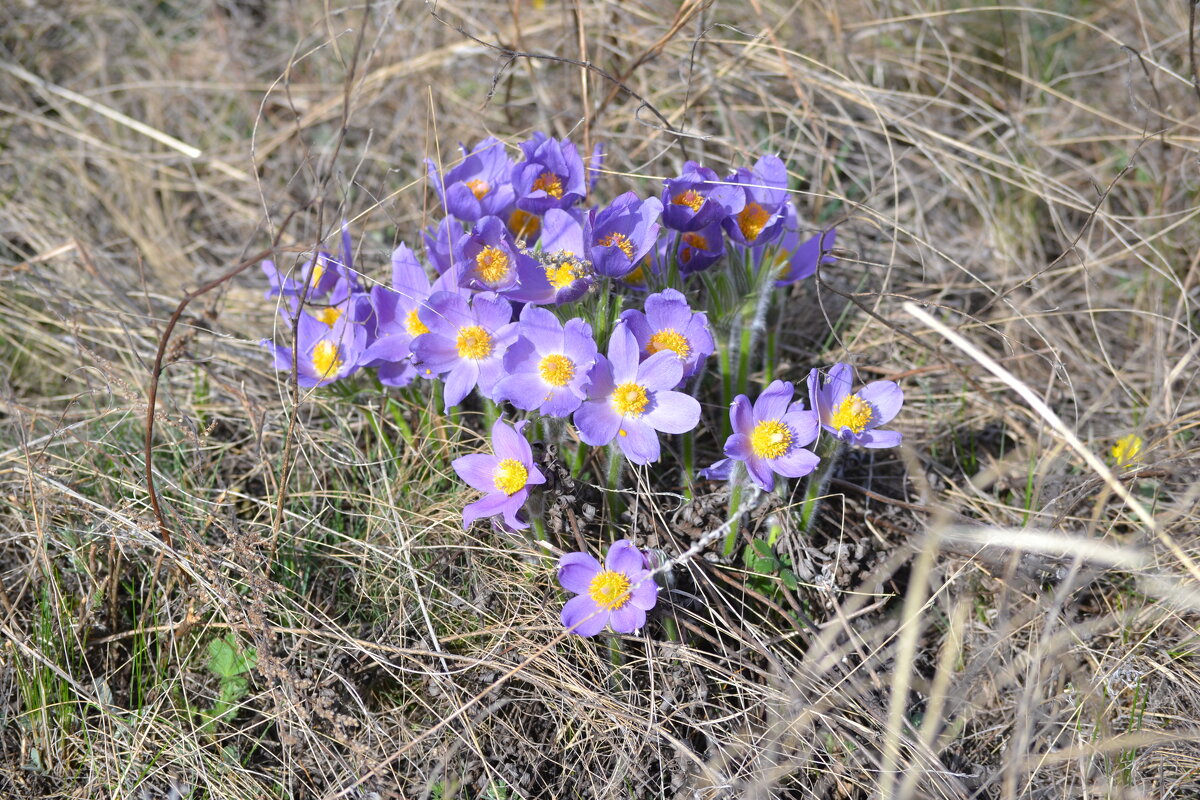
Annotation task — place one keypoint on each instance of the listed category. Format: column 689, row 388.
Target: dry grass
column 991, row 618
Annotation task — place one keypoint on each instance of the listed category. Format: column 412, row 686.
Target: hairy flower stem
column 764, row 285
column 737, row 484
column 616, row 657
column 612, row 482
column 830, row 452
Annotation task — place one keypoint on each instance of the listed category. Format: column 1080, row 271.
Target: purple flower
column 770, row 437
column 790, row 258
column 488, row 259
column 324, row 353
column 466, row 341
column 551, row 176
column 623, row 233
column 504, row 477
column 630, row 400
column 762, row 216
column 594, row 166
column 669, row 324
column 323, row 274
column 699, row 250
column 479, row 186
column 698, row 199
column 439, row 243
column 644, row 275
column 617, row 594
column 568, row 273
column 547, row 367
column 855, row 417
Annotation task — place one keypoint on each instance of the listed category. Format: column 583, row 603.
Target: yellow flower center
column 691, row 198
column 556, row 369
column 751, row 220
column 523, row 225
column 563, row 270
column 325, row 359
column 318, row 271
column 636, row 276
column 474, row 342
column 478, row 187
column 609, row 590
column 670, row 339
column 413, row 324
column 629, row 400
column 1127, row 450
column 549, row 183
column 692, row 242
column 618, row 240
column 510, row 476
column 329, row 315
column 853, row 413
column 770, row 439
column 492, row 263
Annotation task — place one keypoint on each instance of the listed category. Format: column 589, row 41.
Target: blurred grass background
column 989, row 619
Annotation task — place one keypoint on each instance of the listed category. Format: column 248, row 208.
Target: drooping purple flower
column 466, row 341
column 617, row 594
column 504, row 476
column 623, row 233
column 669, row 324
column 698, row 199
column 630, row 400
column 547, row 367
column 488, row 259
column 439, row 243
column 699, row 250
column 551, row 176
column 770, row 437
column 479, row 186
column 855, row 417
column 324, row 353
column 762, row 216
column 790, row 258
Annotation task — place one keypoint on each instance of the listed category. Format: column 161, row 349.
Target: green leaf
column 225, row 659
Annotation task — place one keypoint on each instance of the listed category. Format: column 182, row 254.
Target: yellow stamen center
column 478, row 187
column 609, row 590
column 751, row 220
column 670, row 339
column 770, row 439
column 853, row 413
column 510, row 476
column 564, row 271
column 692, row 242
column 413, row 324
column 556, row 369
column 329, row 315
column 629, row 400
column 325, row 359
column 474, row 342
column 492, row 263
column 549, row 183
column 691, row 198
column 318, row 271
column 1127, row 450
column 618, row 240
column 524, row 225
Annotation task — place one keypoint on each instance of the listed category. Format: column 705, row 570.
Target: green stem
column 830, row 452
column 737, row 485
column 612, row 481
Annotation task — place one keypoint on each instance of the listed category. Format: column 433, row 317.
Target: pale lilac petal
column 492, row 310
column 525, row 390
column 560, row 402
column 507, row 443
column 795, row 463
column 639, row 442
column 576, row 571
column 478, row 470
column 773, row 402
column 668, row 309
column 623, row 556
column 435, row 353
column 663, row 370
column 741, row 415
column 638, row 325
column 624, row 354
column 510, row 509
column 597, row 422
column 673, row 412
column 760, row 473
column 542, row 328
column 627, row 619
column 460, row 382
column 886, row 397
column 878, row 438
column 535, row 476
column 804, row 426
column 737, row 447
column 487, row 506
column 581, row 615
column 644, row 594
column 718, row 470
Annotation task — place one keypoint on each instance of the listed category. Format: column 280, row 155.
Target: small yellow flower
column 1128, row 450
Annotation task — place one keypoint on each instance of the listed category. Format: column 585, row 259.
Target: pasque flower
column 563, row 273
column 324, row 353
column 668, row 323
column 320, row 278
column 770, row 437
column 480, row 185
column 547, row 367
column 466, row 341
column 698, row 199
column 631, row 400
column 488, row 260
column 551, row 176
column 504, row 476
column 617, row 594
column 790, row 258
column 697, row 250
column 761, row 217
column 622, row 233
column 855, row 417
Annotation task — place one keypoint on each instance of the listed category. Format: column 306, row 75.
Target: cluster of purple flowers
column 501, row 311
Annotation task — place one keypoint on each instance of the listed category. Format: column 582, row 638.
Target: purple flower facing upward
column 323, row 278
column 631, row 400
column 623, row 233
column 504, row 477
column 769, row 437
column 617, row 594
column 568, row 273
column 668, row 324
column 855, row 417
column 547, row 367
column 324, row 353
column 480, row 186
column 698, row 199
column 761, row 218
column 551, row 176
column 466, row 341
column 488, row 259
